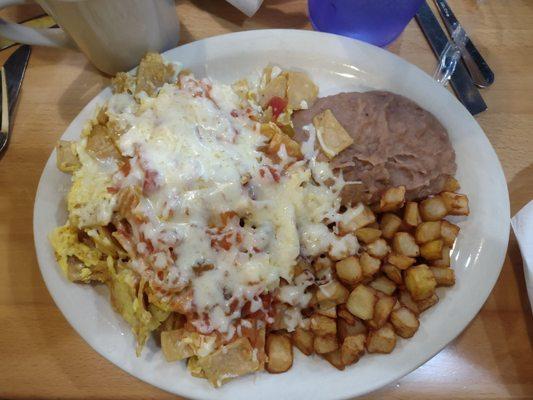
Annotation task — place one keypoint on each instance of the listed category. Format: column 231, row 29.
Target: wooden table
column 42, row 357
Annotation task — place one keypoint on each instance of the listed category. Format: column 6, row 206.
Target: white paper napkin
column 249, row 7
column 522, row 224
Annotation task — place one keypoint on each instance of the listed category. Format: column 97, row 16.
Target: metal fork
column 4, row 125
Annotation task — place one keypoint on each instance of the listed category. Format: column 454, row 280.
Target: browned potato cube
column 420, row 282
column 346, row 315
column 411, row 214
column 432, row 250
column 335, row 359
column 423, row 305
column 369, row 264
column 393, row 273
column 381, row 341
column 433, row 209
column 367, row 235
column 325, row 344
column 403, row 243
column 361, row 302
column 456, row 204
column 390, row 223
column 400, row 261
column 407, row 301
column 344, row 329
column 427, row 231
column 322, row 264
column 449, row 232
column 444, row 261
column 303, row 340
column 382, row 310
column 393, row 199
column 279, row 352
column 378, row 248
column 332, row 293
column 444, row 276
column 384, row 285
column 405, row 322
column 354, row 219
column 330, row 312
column 451, row 185
column 322, row 326
column 349, row 270
column 352, row 348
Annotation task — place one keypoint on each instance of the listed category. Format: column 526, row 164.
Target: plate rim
column 205, row 394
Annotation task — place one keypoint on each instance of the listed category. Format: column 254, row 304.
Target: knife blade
column 13, row 70
column 481, row 73
column 462, row 84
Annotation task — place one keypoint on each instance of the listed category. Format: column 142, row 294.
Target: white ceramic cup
column 113, row 34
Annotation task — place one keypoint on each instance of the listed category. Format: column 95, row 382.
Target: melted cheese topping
column 216, row 217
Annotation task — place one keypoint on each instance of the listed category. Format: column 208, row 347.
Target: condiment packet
column 522, row 224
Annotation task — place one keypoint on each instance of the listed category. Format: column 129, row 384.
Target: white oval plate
column 336, row 64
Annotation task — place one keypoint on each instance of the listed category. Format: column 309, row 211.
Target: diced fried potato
column 400, row 261
column 405, row 322
column 444, row 276
column 448, row 232
column 384, row 285
column 424, row 304
column 361, row 302
column 378, row 248
column 352, row 348
column 322, row 264
column 444, row 261
column 411, row 214
column 346, row 315
column 322, row 326
column 335, row 359
column 407, row 301
column 433, row 209
column 455, row 204
column 382, row 340
column 277, row 87
column 428, row 231
column 355, row 218
column 451, row 185
column 332, row 291
column 331, row 135
column 390, row 223
column 382, row 310
column 279, row 352
column 420, row 282
column 404, row 243
column 303, row 339
column 330, row 312
column 393, row 273
column 300, row 88
column 325, row 344
column 369, row 264
column 344, row 329
column 393, row 199
column 349, row 270
column 367, row 235
column 432, row 250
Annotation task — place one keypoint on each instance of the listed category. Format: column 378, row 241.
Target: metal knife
column 481, row 73
column 12, row 74
column 462, row 84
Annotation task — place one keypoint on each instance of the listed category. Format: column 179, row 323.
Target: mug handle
column 54, row 37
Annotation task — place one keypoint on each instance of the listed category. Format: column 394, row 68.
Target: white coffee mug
column 113, row 34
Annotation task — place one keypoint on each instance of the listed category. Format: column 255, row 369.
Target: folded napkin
column 522, row 224
column 249, row 7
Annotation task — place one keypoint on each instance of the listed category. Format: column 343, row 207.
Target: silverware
column 481, row 73
column 12, row 74
column 466, row 91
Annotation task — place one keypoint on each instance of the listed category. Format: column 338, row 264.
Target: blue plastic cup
column 374, row 21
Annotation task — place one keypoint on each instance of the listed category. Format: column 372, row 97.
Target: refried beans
column 396, row 142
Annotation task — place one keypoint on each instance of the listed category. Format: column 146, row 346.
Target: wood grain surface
column 41, row 356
